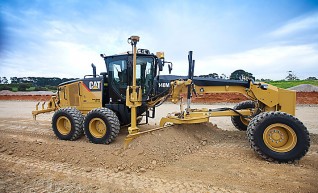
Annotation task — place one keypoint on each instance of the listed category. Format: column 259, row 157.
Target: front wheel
column 240, row 122
column 278, row 136
column 101, row 126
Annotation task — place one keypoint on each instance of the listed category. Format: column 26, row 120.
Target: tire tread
column 236, row 119
column 76, row 117
column 114, row 124
column 257, row 120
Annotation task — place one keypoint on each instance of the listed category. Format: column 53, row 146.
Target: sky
column 61, row 38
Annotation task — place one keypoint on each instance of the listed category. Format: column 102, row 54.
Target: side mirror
column 169, row 66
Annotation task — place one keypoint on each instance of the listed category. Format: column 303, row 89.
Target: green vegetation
column 31, row 83
column 50, row 84
column 26, row 87
column 291, row 83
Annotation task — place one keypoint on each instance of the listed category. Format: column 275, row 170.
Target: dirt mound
column 145, row 153
column 10, row 93
column 307, row 97
column 304, row 88
column 26, row 97
column 218, row 97
column 32, row 95
column 168, row 145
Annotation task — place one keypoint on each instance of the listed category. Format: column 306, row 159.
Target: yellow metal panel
column 74, row 95
column 190, row 120
column 78, row 95
column 229, row 113
column 220, row 89
column 287, row 101
column 200, row 116
column 267, row 96
column 88, row 99
column 64, row 102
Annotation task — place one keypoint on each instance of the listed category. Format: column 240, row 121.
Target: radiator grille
column 73, row 93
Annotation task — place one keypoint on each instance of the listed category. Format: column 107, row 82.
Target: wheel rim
column 280, row 137
column 97, row 127
column 63, row 125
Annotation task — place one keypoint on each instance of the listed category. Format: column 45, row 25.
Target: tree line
column 236, row 75
column 35, row 81
column 243, row 75
column 47, row 83
column 31, row 83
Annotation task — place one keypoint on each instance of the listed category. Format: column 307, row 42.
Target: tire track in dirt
column 239, row 167
column 33, row 133
column 28, row 135
column 23, row 125
column 240, row 152
column 126, row 182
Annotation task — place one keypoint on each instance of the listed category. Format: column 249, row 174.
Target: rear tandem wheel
column 101, row 126
column 278, row 136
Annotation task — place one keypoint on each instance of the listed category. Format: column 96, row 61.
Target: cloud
column 297, row 25
column 265, row 62
column 63, row 39
column 56, row 47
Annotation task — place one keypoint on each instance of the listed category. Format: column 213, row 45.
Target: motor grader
column 132, row 88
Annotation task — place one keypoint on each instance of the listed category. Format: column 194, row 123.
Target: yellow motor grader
column 132, row 88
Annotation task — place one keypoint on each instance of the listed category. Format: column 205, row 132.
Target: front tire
column 67, row 124
column 101, row 126
column 278, row 136
column 240, row 122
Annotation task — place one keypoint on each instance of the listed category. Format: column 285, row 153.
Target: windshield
column 145, row 73
column 121, row 74
column 119, row 71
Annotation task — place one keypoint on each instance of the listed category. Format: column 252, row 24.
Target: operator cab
column 120, row 68
column 120, row 75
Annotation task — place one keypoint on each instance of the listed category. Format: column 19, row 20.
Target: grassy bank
column 26, row 87
column 30, row 87
column 288, row 84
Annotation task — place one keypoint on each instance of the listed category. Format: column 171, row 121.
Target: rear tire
column 278, row 136
column 238, row 121
column 101, row 126
column 67, row 124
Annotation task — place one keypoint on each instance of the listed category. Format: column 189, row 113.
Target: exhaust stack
column 94, row 70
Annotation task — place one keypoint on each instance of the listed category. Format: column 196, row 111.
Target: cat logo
column 164, row 84
column 94, row 85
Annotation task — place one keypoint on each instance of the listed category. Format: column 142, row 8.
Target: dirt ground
column 211, row 157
